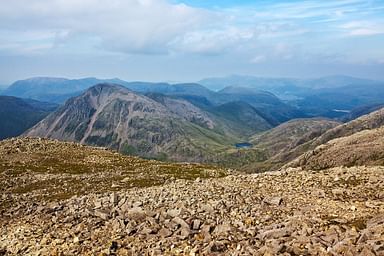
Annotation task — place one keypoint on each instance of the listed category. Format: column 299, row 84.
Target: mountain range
column 333, row 96
column 189, row 122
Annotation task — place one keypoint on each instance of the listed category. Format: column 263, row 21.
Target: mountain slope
column 269, row 148
column 267, row 104
column 113, row 116
column 291, row 134
column 17, row 115
column 361, row 148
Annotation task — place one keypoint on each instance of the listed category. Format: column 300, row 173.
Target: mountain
column 192, row 89
column 17, row 115
column 156, row 126
column 269, row 148
column 332, row 96
column 267, row 104
column 241, row 118
column 361, row 111
column 371, row 121
column 58, row 90
column 49, row 89
column 360, row 148
column 283, row 85
column 291, row 134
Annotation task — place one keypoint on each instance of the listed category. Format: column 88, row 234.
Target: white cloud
column 363, row 28
column 258, row 59
column 212, row 41
column 122, row 25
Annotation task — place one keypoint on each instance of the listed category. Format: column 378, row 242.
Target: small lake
column 243, row 145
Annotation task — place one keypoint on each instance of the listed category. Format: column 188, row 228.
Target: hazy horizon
column 188, row 40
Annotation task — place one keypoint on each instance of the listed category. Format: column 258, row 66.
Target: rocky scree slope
column 338, row 211
column 112, row 116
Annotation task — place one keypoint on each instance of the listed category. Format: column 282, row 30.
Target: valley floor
column 337, row 211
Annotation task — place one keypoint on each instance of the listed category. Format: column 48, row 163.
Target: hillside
column 267, row 104
column 310, row 141
column 269, row 147
column 361, row 148
column 156, row 126
column 65, row 198
column 17, row 115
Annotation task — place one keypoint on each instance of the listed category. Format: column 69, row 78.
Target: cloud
column 363, row 28
column 146, row 31
column 212, row 42
column 258, row 59
column 132, row 26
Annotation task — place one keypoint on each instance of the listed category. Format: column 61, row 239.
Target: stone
column 273, row 201
column 207, row 208
column 98, row 204
column 274, row 234
column 180, row 222
column 164, row 232
column 222, row 230
column 173, row 213
column 136, row 213
column 114, row 199
column 185, row 232
column 137, row 204
column 103, row 214
column 196, row 224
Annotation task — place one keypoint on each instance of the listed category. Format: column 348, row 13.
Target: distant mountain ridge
column 58, row 90
column 269, row 83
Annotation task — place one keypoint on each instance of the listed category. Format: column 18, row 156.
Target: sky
column 187, row 40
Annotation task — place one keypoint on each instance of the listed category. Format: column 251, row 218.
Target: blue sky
column 173, row 40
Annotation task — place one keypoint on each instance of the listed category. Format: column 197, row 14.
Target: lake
column 243, row 145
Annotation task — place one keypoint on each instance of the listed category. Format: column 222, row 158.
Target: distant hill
column 17, row 115
column 371, row 121
column 270, row 149
column 58, row 90
column 49, row 89
column 361, row 148
column 266, row 103
column 360, row 111
column 283, row 85
column 327, row 97
column 151, row 126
